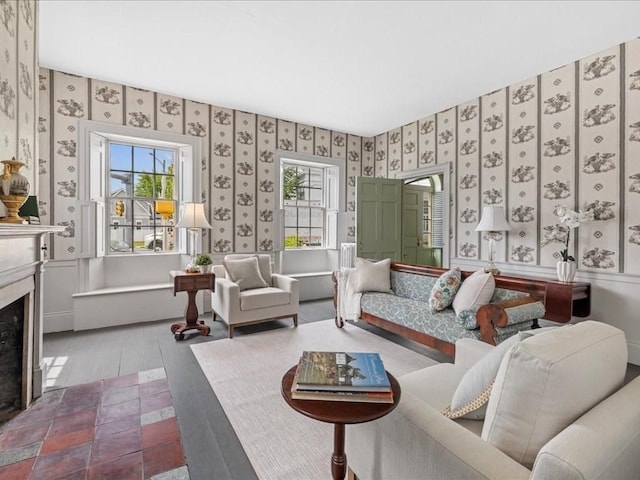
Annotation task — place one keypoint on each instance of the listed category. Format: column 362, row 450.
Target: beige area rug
column 246, row 372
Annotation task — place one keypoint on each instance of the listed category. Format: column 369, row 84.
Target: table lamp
column 492, row 221
column 194, row 219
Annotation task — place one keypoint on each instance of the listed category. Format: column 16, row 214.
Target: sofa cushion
column 472, row 393
column 263, row 298
column 373, row 276
column 476, row 290
column 264, row 264
column 245, row 272
column 547, row 381
column 444, row 290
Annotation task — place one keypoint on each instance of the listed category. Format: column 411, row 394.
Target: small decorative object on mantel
column 561, row 233
column 204, row 262
column 14, row 190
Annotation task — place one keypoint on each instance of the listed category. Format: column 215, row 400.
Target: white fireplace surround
column 22, row 259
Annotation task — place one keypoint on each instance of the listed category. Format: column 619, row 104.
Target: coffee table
column 340, row 414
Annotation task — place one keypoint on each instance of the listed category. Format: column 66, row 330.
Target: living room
column 537, row 69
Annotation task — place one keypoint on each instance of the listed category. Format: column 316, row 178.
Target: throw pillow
column 473, row 392
column 373, row 276
column 476, row 290
column 245, row 273
column 444, row 290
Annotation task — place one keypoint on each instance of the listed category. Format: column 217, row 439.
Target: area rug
column 246, row 372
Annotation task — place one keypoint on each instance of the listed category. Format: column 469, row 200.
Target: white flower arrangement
column 561, row 231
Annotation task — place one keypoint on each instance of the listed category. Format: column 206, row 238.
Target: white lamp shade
column 493, row 220
column 193, row 217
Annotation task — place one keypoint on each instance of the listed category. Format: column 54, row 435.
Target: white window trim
column 335, row 227
column 91, row 204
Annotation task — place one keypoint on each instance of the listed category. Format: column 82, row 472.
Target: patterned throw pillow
column 444, row 290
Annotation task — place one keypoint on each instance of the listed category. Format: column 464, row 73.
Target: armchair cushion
column 547, row 381
column 264, row 264
column 263, row 298
column 245, row 272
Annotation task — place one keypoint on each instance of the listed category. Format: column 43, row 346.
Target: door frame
column 444, row 169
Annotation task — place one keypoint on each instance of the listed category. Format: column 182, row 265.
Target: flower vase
column 566, row 271
column 14, row 190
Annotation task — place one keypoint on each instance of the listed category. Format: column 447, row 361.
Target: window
column 141, row 205
column 311, row 193
column 304, row 205
column 131, row 188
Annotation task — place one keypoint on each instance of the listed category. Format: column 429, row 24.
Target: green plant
column 203, row 259
column 292, row 241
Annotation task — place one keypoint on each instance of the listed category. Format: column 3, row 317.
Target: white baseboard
column 57, row 322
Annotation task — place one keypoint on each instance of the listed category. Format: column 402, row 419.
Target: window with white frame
column 141, row 200
column 309, row 198
column 304, row 205
column 132, row 184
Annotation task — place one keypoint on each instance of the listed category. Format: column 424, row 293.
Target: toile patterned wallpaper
column 18, row 98
column 570, row 136
column 237, row 159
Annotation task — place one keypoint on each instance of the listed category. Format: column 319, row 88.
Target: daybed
column 516, row 305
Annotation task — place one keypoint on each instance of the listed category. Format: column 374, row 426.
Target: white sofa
column 557, row 410
column 280, row 299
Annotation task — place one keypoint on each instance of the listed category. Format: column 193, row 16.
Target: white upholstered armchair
column 246, row 292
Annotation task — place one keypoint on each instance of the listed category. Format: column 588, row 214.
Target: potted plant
column 204, row 262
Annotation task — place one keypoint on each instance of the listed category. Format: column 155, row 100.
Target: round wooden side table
column 340, row 414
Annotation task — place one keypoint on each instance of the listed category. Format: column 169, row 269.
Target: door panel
column 378, row 218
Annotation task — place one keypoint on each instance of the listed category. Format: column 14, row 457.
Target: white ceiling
column 361, row 67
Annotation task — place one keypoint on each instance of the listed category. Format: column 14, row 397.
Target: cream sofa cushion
column 264, row 264
column 245, row 273
column 476, row 290
column 373, row 276
column 263, row 298
column 547, row 381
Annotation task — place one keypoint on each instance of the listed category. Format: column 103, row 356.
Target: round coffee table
column 340, row 414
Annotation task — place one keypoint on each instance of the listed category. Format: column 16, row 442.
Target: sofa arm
column 225, row 300
column 511, row 315
column 416, row 441
column 290, row 284
column 469, row 351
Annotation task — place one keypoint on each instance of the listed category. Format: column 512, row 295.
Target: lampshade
column 493, row 220
column 193, row 217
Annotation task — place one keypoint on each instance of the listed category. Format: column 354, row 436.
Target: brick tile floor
column 120, row 428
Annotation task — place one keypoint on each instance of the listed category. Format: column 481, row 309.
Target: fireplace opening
column 11, row 353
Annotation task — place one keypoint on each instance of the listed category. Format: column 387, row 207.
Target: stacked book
column 341, row 377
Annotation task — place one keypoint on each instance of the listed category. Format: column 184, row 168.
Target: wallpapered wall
column 567, row 137
column 18, row 97
column 237, row 165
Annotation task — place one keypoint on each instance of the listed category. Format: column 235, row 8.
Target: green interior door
column 378, row 218
column 412, row 208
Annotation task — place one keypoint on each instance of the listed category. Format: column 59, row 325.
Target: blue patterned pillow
column 444, row 290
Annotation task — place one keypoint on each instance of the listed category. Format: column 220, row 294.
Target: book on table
column 342, row 372
column 365, row 397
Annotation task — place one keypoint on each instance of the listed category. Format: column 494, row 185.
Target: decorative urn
column 14, row 190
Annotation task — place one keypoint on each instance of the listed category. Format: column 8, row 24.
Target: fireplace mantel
column 22, row 260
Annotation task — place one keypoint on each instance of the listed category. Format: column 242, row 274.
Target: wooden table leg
column 191, row 317
column 338, row 458
column 191, row 313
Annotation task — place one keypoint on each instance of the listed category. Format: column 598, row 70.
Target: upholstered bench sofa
column 516, row 305
column 554, row 408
